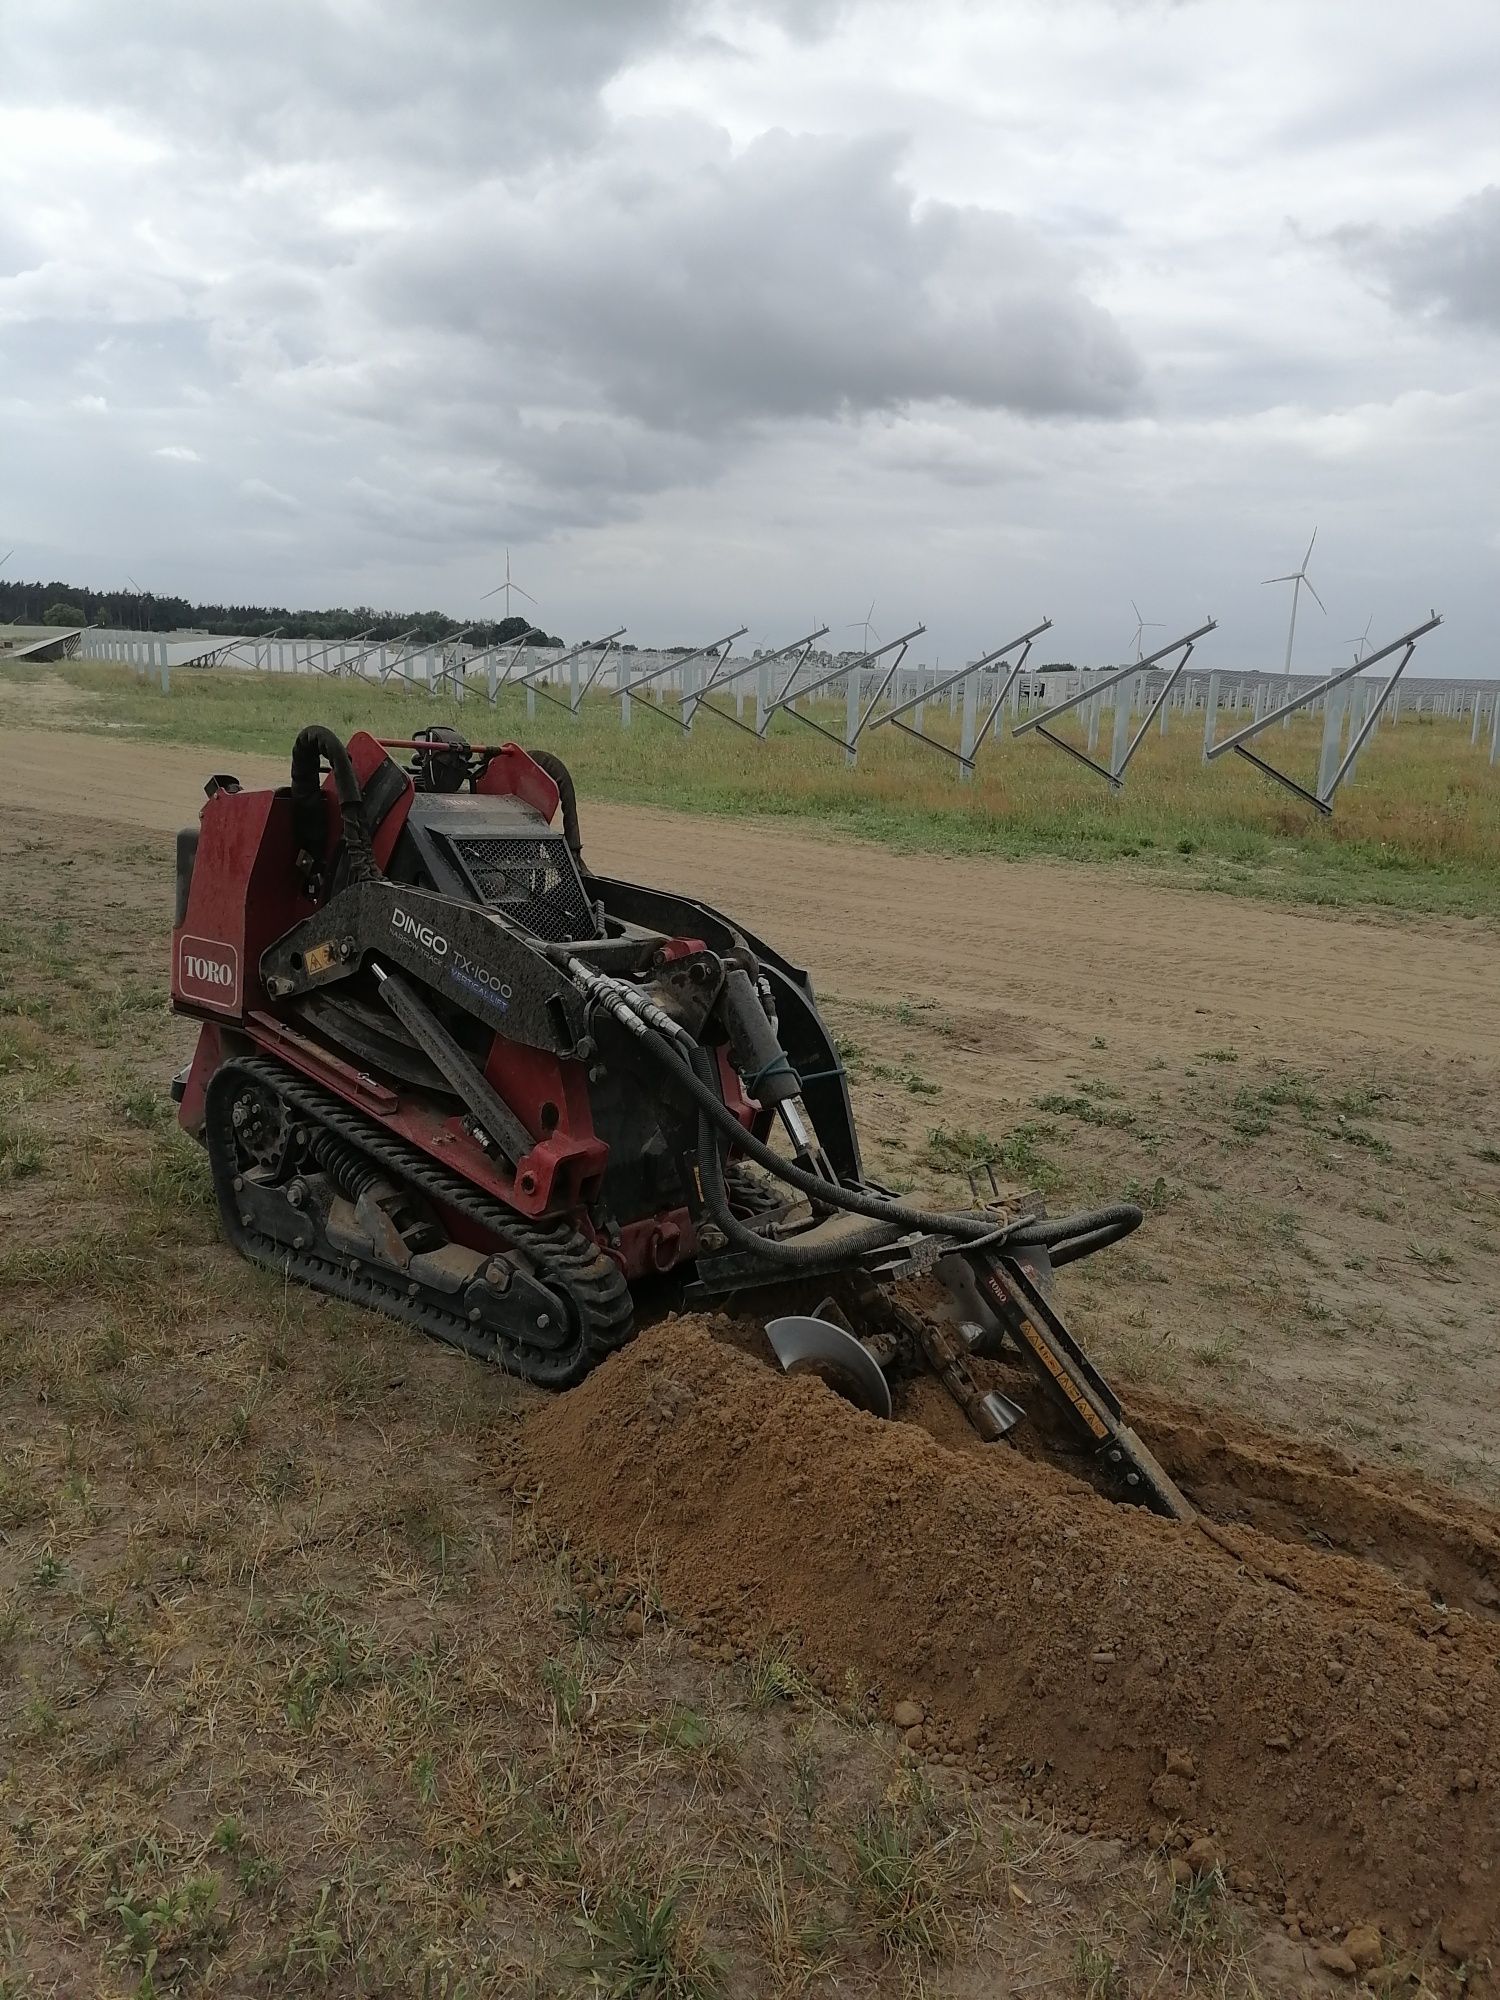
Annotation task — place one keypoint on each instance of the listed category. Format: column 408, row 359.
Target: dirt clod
column 907, row 1715
column 1334, row 1958
column 1463, row 1939
column 1365, row 1947
column 1202, row 1855
column 1172, row 1794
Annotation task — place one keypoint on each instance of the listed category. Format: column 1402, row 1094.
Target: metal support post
column 690, row 699
column 1124, row 702
column 1122, row 751
column 1210, row 713
column 1333, row 737
column 551, row 671
column 895, row 647
column 1364, row 719
column 961, row 679
column 966, row 729
column 1322, row 798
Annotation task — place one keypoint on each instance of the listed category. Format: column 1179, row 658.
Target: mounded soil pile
column 1333, row 1733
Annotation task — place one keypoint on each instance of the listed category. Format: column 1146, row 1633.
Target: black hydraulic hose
column 791, row 1255
column 1108, row 1224
column 313, row 745
column 1121, row 1216
column 562, row 777
column 1087, row 1241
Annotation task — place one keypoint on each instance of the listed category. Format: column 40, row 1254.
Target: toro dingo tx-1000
column 448, row 1072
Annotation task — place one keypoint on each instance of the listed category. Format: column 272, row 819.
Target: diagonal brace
column 1115, row 774
column 1322, row 797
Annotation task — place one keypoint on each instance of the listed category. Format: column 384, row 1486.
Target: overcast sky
column 721, row 313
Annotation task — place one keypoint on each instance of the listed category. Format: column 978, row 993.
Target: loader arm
column 809, row 1046
column 446, row 1071
column 470, row 954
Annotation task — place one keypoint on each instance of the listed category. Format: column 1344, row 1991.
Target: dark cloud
column 658, row 285
column 429, row 226
column 476, row 82
column 1449, row 267
column 796, row 278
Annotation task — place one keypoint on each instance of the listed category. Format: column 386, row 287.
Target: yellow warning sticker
column 1064, row 1380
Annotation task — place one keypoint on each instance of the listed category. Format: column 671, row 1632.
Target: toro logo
column 209, row 972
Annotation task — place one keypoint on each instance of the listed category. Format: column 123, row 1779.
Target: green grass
column 1085, row 1109
column 303, row 1699
column 641, row 1948
column 908, row 1877
column 1418, row 831
column 958, row 1150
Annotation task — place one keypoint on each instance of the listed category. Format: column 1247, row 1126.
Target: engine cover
column 499, row 852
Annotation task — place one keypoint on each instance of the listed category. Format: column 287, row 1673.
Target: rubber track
column 556, row 1253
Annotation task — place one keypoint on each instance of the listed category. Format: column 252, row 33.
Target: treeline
column 146, row 611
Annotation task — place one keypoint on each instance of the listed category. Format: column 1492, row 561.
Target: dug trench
column 773, row 1518
column 1302, row 1690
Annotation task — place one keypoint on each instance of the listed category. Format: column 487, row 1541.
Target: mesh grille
column 535, row 882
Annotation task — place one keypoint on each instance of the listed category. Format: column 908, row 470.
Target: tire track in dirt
column 1052, row 944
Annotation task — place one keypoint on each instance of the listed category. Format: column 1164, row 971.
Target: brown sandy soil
column 1030, row 953
column 1305, row 1102
column 1319, row 1253
column 294, row 1699
column 1329, row 1732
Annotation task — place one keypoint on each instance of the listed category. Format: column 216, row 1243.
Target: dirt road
column 1023, row 954
column 1306, row 1106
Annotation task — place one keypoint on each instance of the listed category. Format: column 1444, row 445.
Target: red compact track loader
column 447, row 1072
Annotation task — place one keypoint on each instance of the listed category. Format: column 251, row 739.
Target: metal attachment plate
column 844, row 1363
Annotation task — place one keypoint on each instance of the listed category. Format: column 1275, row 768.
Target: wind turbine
column 1362, row 642
column 1143, row 625
column 1296, row 579
column 508, row 587
column 864, row 625
column 6, row 557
